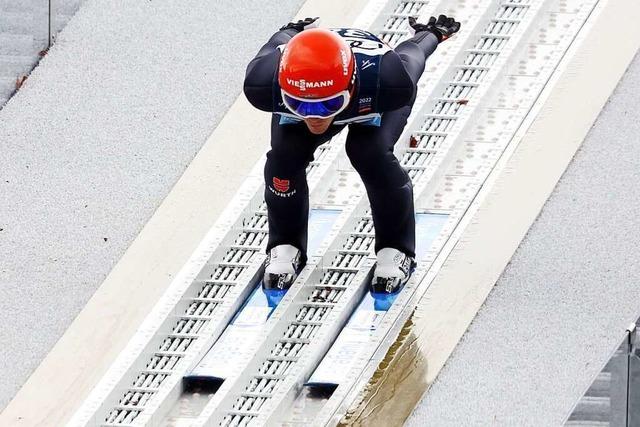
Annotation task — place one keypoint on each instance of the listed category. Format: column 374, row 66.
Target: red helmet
column 316, row 64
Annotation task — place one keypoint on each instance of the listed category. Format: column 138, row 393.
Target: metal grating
column 250, row 241
column 227, row 273
column 200, row 310
column 439, row 123
column 396, row 28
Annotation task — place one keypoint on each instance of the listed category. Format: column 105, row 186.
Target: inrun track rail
column 141, row 385
column 308, row 325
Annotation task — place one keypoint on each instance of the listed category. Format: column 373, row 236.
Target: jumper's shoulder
column 259, row 80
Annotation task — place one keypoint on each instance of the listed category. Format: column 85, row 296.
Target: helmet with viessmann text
column 316, row 74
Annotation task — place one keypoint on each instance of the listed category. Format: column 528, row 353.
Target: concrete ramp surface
column 134, row 227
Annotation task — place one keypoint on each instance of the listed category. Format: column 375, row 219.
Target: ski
column 368, row 315
column 235, row 342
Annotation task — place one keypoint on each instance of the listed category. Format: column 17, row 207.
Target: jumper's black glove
column 302, row 25
column 443, row 27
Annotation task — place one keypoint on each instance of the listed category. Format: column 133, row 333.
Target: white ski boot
column 393, row 270
column 282, row 267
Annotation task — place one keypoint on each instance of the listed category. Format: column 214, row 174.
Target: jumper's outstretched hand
column 303, row 24
column 443, row 27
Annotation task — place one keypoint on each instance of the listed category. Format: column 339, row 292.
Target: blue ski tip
column 274, row 296
column 383, row 301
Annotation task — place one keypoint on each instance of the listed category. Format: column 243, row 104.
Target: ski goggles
column 320, row 108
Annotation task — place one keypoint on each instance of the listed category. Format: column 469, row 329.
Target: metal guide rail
column 307, row 326
column 199, row 303
column 192, row 314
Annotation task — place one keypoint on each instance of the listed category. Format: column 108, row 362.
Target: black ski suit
column 377, row 115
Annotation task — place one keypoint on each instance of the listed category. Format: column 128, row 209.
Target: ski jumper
column 384, row 95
